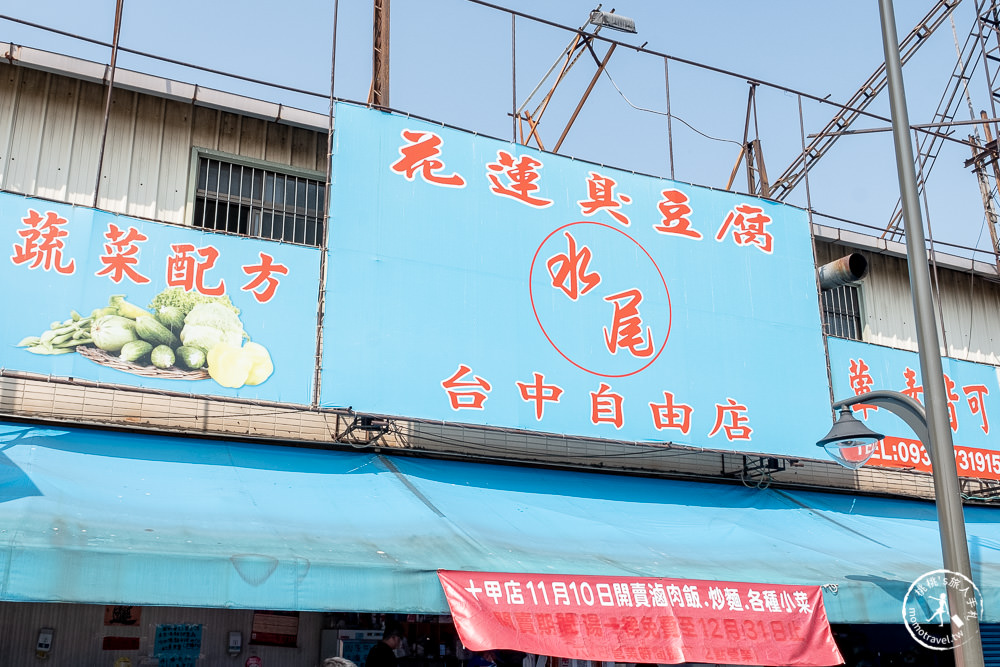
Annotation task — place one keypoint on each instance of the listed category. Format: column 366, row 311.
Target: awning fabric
column 106, row 517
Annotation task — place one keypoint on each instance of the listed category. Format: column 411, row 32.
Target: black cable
column 165, row 59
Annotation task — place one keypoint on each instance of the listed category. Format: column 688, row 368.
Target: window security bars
column 258, row 202
column 842, row 312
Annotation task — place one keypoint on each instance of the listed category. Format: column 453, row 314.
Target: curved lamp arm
column 901, row 405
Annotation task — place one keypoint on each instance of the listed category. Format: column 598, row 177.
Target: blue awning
column 104, row 517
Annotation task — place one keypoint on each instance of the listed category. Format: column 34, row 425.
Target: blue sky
column 451, row 61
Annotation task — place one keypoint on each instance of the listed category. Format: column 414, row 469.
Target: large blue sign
column 973, row 392
column 476, row 281
column 118, row 300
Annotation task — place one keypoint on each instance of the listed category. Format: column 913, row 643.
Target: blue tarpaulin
column 109, row 517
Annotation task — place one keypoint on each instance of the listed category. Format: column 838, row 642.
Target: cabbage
column 209, row 324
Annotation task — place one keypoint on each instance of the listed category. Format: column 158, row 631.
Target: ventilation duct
column 845, row 271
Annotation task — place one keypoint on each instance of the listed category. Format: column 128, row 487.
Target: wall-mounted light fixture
column 44, row 643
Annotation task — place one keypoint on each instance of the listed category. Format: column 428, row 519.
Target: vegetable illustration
column 100, row 312
column 182, row 331
column 126, row 309
column 162, row 356
column 112, row 332
column 135, row 350
column 171, row 317
column 61, row 337
column 192, row 357
column 229, row 365
column 183, row 301
column 262, row 366
column 209, row 324
column 149, row 329
column 233, row 366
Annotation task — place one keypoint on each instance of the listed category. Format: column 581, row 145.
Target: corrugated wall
column 50, row 128
column 79, row 633
column 970, row 307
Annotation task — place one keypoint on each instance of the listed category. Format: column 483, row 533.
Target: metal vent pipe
column 844, row 271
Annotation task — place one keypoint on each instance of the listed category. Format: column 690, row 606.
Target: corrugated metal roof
column 896, row 249
column 161, row 87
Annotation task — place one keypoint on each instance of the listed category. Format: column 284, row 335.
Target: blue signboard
column 972, row 389
column 177, row 645
column 118, row 300
column 477, row 281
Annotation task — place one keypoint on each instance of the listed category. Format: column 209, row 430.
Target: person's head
column 338, row 662
column 392, row 635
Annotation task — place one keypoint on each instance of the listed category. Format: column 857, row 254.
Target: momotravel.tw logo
column 928, row 616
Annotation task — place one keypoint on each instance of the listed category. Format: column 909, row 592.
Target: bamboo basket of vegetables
column 104, row 358
column 183, row 336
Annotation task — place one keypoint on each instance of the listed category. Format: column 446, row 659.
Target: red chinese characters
column 43, row 244
column 121, row 254
column 907, row 453
column 422, row 155
column 949, row 391
column 861, row 383
column 601, row 193
column 185, row 271
column 912, row 389
column 606, row 406
column 626, row 326
column 633, row 619
column 675, row 213
column 568, row 270
column 732, row 418
column 516, row 178
column 975, row 394
column 747, row 224
column 671, row 414
column 539, row 393
column 466, row 392
column 263, row 277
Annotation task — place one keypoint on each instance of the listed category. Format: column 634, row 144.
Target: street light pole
column 940, row 448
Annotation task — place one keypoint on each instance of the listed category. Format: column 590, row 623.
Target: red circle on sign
column 538, row 319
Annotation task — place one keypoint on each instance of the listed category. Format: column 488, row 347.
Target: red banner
column 643, row 620
column 910, row 454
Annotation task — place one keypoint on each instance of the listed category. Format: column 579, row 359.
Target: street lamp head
column 850, row 443
column 612, row 21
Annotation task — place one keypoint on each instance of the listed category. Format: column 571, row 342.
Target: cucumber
column 190, row 356
column 171, row 317
column 162, row 356
column 148, row 329
column 135, row 350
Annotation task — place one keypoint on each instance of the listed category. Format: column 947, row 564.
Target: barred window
column 842, row 312
column 258, row 202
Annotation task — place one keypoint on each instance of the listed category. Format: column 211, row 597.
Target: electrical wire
column 171, row 61
column 664, row 113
